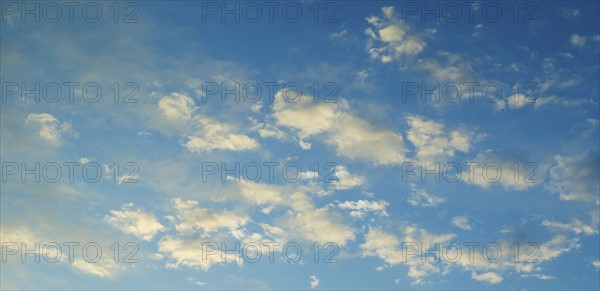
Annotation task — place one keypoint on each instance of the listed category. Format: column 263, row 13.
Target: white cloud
column 596, row 263
column 51, row 129
column 314, row 282
column 387, row 247
column 576, row 178
column 578, row 40
column 360, row 208
column 232, row 142
column 501, row 170
column 303, row 114
column 191, row 253
column 389, row 37
column 177, row 107
column 105, row 268
column 267, row 130
column 345, row 179
column 382, row 244
column 448, row 67
column 261, row 194
column 518, row 100
column 489, row 277
column 207, row 133
column 316, row 224
column 137, row 222
column 356, row 138
column 352, row 136
column 575, row 226
column 420, row 197
column 432, row 143
column 190, row 218
column 461, row 222
column 218, row 136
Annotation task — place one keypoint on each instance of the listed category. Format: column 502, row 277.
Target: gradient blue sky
column 367, row 54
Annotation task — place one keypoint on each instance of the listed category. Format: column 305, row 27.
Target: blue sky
column 355, row 159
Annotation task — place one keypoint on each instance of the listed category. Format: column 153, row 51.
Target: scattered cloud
column 51, row 129
column 137, row 222
column 461, row 222
column 420, row 197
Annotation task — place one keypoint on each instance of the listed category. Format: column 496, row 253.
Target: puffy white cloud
column 432, row 143
column 261, row 194
column 51, row 129
column 137, row 222
column 575, row 178
column 196, row 254
column 356, row 138
column 190, row 218
column 345, row 180
column 382, row 244
column 218, row 136
column 489, row 277
column 596, row 263
column 420, row 197
column 303, row 114
column 352, row 136
column 177, row 107
column 392, row 33
column 314, row 281
column 461, row 222
column 315, row 224
column 360, row 208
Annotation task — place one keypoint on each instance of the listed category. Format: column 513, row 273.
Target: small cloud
column 420, row 197
column 578, row 40
column 314, row 282
column 570, row 13
column 338, row 34
column 489, row 277
column 461, row 222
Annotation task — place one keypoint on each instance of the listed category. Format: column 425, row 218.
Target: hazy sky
column 394, row 144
